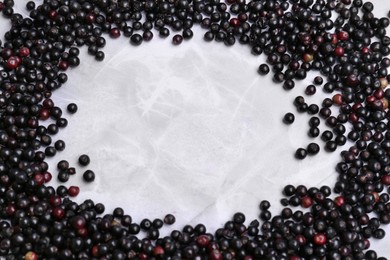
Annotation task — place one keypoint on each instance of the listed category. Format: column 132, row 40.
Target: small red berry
column 39, row 179
column 379, row 93
column 343, row 36
column 48, row 103
column 10, row 210
column 30, row 255
column 307, row 57
column 203, row 240
column 47, row 176
column 306, row 202
column 356, row 106
column 319, row 239
column 82, row 232
column 55, row 200
column 12, row 62
column 115, row 33
column 52, row 14
column 78, row 222
column 212, row 246
column 63, row 65
column 370, row 99
column 158, row 251
column 339, row 201
column 90, row 18
column 216, row 255
column 58, row 213
column 319, row 39
column 339, row 51
column 234, row 22
column 301, row 239
column 95, row 251
column 73, row 191
column 24, row 51
column 337, row 99
column 365, row 50
column 352, row 117
column 44, row 114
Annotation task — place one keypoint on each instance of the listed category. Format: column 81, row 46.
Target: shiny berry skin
column 47, row 177
column 90, row 18
column 288, row 118
column 158, row 251
column 89, row 176
column 73, row 191
column 84, row 160
column 52, row 14
column 169, row 219
column 215, row 255
column 12, row 62
column 30, row 255
column 39, row 179
column 365, row 50
column 202, row 241
column 115, row 33
column 337, row 99
column 58, row 213
column 306, row 201
column 234, row 22
column 308, row 57
column 24, row 51
column 300, row 153
column 177, row 39
column 63, row 65
column 263, row 69
column 44, row 114
column 72, row 108
column 339, row 51
column 319, row 239
column 385, row 179
column 313, row 148
column 339, row 201
column 136, row 39
column 343, row 35
column 55, row 200
column 78, row 222
column 48, row 103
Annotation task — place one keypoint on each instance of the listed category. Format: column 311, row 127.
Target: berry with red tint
column 73, row 191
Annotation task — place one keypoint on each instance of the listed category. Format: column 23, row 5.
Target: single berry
column 300, row 153
column 84, row 160
column 288, row 118
column 89, row 176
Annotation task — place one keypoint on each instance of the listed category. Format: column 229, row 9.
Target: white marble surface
column 191, row 130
